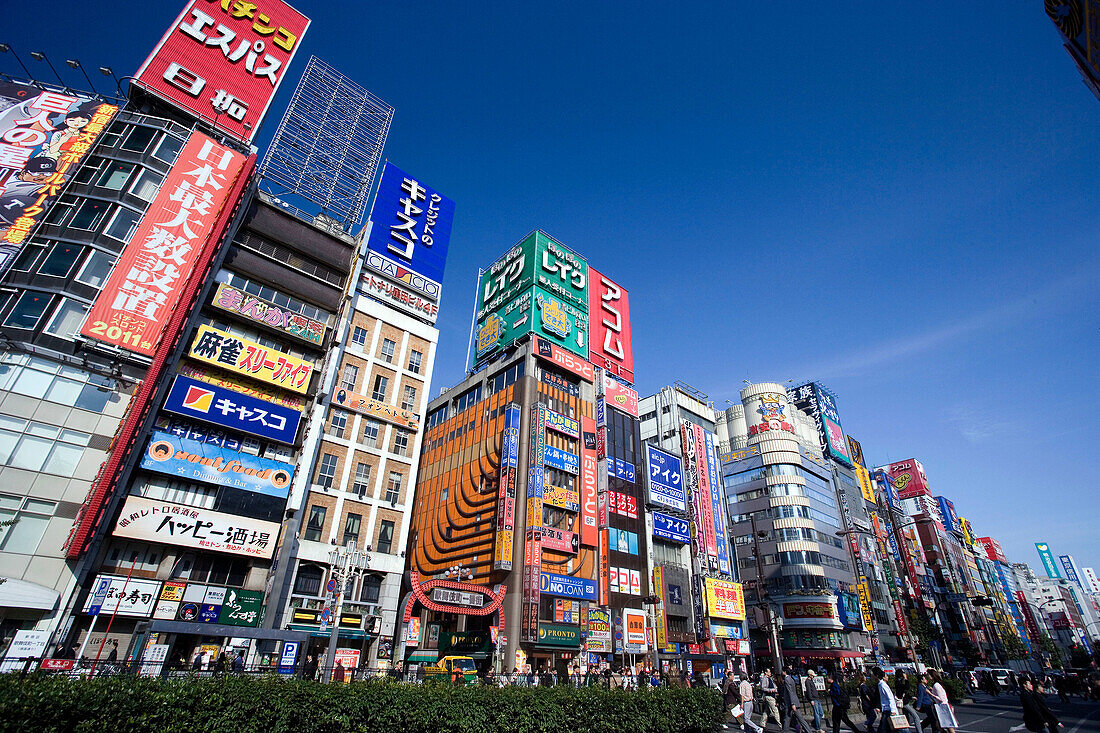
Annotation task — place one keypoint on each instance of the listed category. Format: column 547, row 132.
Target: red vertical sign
column 705, row 507
column 144, row 287
column 609, row 321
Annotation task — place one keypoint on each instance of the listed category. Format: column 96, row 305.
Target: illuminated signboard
column 609, row 315
column 561, row 496
column 260, row 392
column 224, row 62
column 567, row 586
column 563, row 424
column 671, row 528
column 195, row 461
column 43, row 137
column 908, row 478
column 619, row 396
column 820, row 404
column 196, row 527
column 250, row 359
column 411, row 223
column 666, row 478
column 562, row 460
column 398, row 296
column 212, row 403
column 564, row 359
column 506, row 503
column 589, row 483
column 235, row 300
column 724, row 599
column 144, row 287
column 561, row 540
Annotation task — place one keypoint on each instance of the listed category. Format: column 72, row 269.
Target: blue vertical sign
column 717, row 506
column 288, row 657
column 666, row 478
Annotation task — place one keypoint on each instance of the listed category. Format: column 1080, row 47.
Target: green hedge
column 243, row 705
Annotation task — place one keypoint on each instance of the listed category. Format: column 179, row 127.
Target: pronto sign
column 223, row 62
column 143, row 289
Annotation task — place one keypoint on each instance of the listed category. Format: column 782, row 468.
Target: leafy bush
column 956, row 689
column 244, row 705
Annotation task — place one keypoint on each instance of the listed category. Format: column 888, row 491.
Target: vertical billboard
column 506, row 501
column 718, row 504
column 532, row 549
column 43, row 137
column 410, row 225
column 143, row 289
column 589, row 482
column 224, row 62
column 950, row 516
column 609, row 315
column 820, row 404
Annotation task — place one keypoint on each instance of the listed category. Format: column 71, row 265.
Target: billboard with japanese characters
column 411, row 224
column 724, row 599
column 257, row 310
column 609, row 313
column 144, row 288
column 820, row 404
column 230, row 409
column 250, row 359
column 666, row 478
column 189, row 526
column 125, row 596
column 224, row 62
column 194, row 461
column 43, row 137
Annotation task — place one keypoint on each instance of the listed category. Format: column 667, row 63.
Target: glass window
column 115, row 175
column 139, row 138
column 350, row 377
column 362, row 479
column 28, row 519
column 408, row 402
column 315, row 524
column 66, row 320
column 359, row 336
column 385, row 536
column 388, row 347
column 60, row 260
column 28, row 257
column 371, row 590
column 415, row 358
column 326, row 472
column 28, row 309
column 90, row 214
column 370, row 432
column 401, row 442
column 147, row 185
column 393, row 487
column 88, row 170
column 96, row 268
column 60, row 212
column 338, row 422
column 123, row 224
column 308, row 580
column 380, row 385
column 351, row 529
column 168, row 149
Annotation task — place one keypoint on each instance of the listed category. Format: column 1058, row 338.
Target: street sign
column 288, row 657
column 99, row 596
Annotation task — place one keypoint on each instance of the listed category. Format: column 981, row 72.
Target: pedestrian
column 338, row 673
column 1037, row 716
column 906, row 698
column 887, row 703
column 789, row 701
column 747, row 701
column 238, row 662
column 924, row 704
column 769, row 691
column 841, row 702
column 309, row 669
column 814, row 696
column 939, row 698
column 867, row 699
column 196, row 663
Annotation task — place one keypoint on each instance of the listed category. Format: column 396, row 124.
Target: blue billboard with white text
column 229, row 409
column 411, row 223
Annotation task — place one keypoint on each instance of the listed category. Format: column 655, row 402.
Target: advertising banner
column 695, row 498
column 619, row 396
column 194, row 461
column 250, row 359
column 567, row 586
column 908, row 479
column 1048, row 559
column 241, row 607
column 821, row 405
column 504, row 300
column 186, row 526
column 623, row 541
column 224, row 63
column 609, row 313
column 671, row 528
column 635, row 627
column 561, row 540
column 809, row 610
column 562, row 460
column 994, row 551
column 950, row 516
column 133, row 597
column 235, row 300
column 561, row 496
column 559, row 382
column 506, row 501
column 589, row 485
column 211, row 403
column 1068, row 565
column 666, row 478
column 717, row 505
column 558, row 635
column 623, row 504
column 564, row 359
column 43, row 137
column 143, row 289
column 251, row 389
column 563, row 424
column 724, row 599
column 400, row 297
column 865, row 605
column 377, row 410
column 599, row 630
column 532, row 548
column 411, row 223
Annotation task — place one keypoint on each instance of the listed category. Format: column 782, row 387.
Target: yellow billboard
column 250, row 359
column 725, row 599
column 865, row 485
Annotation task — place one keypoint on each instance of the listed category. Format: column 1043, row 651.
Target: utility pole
column 769, row 616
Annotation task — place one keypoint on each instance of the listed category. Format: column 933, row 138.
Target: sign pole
column 111, row 620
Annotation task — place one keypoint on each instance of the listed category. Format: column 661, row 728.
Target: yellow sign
column 865, row 484
column 659, row 587
column 865, row 605
column 253, row 360
column 725, row 599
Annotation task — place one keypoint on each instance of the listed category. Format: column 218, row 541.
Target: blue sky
column 902, row 206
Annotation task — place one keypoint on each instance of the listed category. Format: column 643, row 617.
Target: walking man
column 788, row 691
column 769, row 691
column 841, row 703
column 745, row 690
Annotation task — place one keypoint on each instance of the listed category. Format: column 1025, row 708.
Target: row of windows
column 349, row 380
column 23, row 521
column 315, row 525
column 40, row 447
column 468, row 399
column 793, row 534
column 221, row 499
column 326, row 476
column 46, row 380
column 402, row 439
column 271, row 295
column 389, row 349
column 289, row 257
column 788, row 512
column 309, row 578
column 34, row 305
column 505, row 378
column 59, row 259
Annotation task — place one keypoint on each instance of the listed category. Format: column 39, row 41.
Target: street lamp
column 41, row 56
column 75, row 64
column 348, row 563
column 769, row 614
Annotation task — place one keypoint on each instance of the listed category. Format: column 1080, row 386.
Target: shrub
column 257, row 705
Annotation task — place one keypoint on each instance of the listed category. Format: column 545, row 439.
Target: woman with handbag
column 943, row 714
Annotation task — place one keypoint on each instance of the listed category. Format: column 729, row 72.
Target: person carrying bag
column 892, row 717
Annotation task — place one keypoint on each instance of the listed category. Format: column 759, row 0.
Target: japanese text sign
column 671, row 528
column 229, row 409
column 563, row 424
column 725, row 599
column 619, row 396
column 609, row 316
column 250, row 359
column 195, row 461
column 567, row 586
column 374, row 408
column 589, row 483
column 411, row 223
column 506, row 502
column 234, row 300
column 666, row 478
column 224, row 61
column 127, row 597
column 563, row 460
column 188, row 526
column 144, row 288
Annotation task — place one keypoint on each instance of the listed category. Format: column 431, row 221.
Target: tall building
column 528, row 544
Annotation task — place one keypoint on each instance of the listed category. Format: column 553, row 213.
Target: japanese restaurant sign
column 187, row 526
column 250, row 359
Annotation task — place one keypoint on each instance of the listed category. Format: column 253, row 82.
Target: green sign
column 242, row 607
column 465, row 643
column 559, row 635
column 538, row 286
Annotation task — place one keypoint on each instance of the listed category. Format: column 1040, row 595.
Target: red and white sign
column 908, row 478
column 588, row 486
column 624, row 504
column 566, row 360
column 993, row 549
column 609, row 321
column 559, row 539
column 223, row 62
column 619, row 396
column 144, row 288
column 634, row 623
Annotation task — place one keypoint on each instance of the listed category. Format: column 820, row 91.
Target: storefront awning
column 315, row 631
column 24, row 594
column 422, row 657
column 243, row 632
